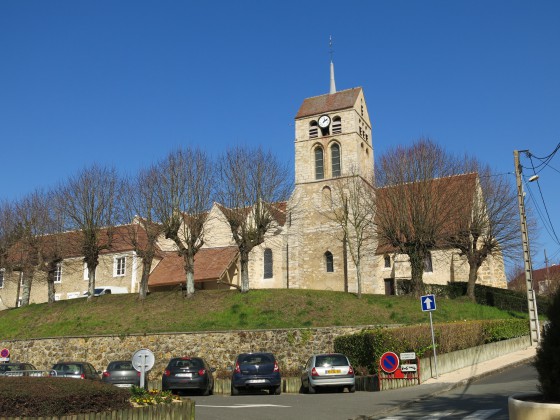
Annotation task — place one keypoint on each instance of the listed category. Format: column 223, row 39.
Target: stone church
column 304, row 250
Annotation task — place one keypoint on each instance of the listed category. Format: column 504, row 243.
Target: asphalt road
column 483, row 399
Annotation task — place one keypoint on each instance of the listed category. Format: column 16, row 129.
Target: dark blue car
column 256, row 371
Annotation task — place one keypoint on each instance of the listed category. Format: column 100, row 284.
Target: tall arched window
column 428, row 268
column 329, row 262
column 335, row 159
column 268, row 263
column 319, row 168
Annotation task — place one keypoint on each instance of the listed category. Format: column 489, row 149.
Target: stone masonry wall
column 292, row 347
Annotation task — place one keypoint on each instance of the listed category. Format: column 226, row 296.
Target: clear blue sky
column 124, row 82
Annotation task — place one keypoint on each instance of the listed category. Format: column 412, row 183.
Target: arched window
column 428, row 268
column 313, row 129
column 387, row 261
column 268, row 263
column 329, row 262
column 327, row 196
column 335, row 159
column 336, row 125
column 319, row 168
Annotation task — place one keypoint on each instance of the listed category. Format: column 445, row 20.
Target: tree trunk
column 359, row 278
column 417, row 270
column 146, row 268
column 50, row 283
column 189, row 269
column 473, row 275
column 27, row 281
column 91, row 279
column 244, row 257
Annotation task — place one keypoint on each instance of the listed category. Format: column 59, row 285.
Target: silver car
column 332, row 371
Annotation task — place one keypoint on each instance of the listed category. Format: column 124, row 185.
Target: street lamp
column 531, row 297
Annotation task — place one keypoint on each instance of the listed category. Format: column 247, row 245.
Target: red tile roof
column 209, row 264
column 327, row 103
column 460, row 187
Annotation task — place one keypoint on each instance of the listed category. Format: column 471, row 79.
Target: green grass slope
column 228, row 310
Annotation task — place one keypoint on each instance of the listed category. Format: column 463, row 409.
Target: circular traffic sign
column 144, row 360
column 4, row 353
column 389, row 362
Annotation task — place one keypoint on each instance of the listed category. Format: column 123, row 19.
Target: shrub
column 547, row 361
column 35, row 397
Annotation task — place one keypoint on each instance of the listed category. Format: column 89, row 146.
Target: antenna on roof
column 331, row 51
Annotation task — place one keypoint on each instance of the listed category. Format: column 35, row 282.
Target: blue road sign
column 428, row 303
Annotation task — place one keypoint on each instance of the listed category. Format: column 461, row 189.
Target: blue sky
column 123, row 82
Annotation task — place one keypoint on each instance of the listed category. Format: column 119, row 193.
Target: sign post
column 143, row 361
column 428, row 303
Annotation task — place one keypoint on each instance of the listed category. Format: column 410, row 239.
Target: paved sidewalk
column 393, row 400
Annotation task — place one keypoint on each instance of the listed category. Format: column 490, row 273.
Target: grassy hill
column 228, row 310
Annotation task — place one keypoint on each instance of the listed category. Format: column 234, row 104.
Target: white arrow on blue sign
column 428, row 303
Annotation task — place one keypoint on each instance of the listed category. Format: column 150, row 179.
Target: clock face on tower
column 324, row 121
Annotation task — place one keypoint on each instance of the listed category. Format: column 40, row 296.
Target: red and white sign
column 389, row 362
column 4, row 353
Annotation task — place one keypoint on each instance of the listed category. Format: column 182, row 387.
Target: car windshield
column 9, row 368
column 69, row 368
column 331, row 360
column 120, row 366
column 255, row 359
column 186, row 363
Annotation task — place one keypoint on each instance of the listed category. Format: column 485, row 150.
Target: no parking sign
column 4, row 355
column 389, row 362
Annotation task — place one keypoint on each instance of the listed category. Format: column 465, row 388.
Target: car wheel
column 352, row 388
column 277, row 390
column 311, row 389
column 234, row 390
column 206, row 392
column 212, row 390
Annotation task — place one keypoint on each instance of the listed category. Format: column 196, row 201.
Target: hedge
column 364, row 349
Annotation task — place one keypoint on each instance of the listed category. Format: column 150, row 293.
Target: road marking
column 482, row 414
column 438, row 415
column 244, row 406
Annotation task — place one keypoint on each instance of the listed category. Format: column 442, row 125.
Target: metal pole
column 531, row 298
column 433, row 343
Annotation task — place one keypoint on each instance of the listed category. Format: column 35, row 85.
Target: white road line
column 481, row 414
column 438, row 415
column 244, row 406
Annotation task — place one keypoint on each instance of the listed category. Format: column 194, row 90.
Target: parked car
column 18, row 369
column 106, row 290
column 78, row 370
column 188, row 373
column 328, row 371
column 121, row 373
column 256, row 371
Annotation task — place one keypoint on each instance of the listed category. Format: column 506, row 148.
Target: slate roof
column 328, row 103
column 209, row 264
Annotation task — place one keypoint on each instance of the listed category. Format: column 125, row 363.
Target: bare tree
column 251, row 183
column 8, row 237
column 487, row 222
column 183, row 197
column 90, row 204
column 353, row 211
column 415, row 201
column 144, row 231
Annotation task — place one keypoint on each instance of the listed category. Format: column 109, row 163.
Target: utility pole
column 531, row 297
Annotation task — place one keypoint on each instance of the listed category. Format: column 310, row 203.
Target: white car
column 328, row 371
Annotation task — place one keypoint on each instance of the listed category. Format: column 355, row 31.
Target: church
column 304, row 249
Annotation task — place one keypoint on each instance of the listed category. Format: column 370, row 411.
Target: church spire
column 333, row 85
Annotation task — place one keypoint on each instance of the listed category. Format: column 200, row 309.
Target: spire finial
column 333, row 85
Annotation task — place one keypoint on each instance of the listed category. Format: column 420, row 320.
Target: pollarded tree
column 415, row 201
column 144, row 230
column 353, row 211
column 487, row 222
column 251, row 184
column 182, row 199
column 90, row 203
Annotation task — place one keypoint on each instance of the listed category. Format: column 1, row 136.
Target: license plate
column 333, row 371
column 257, row 381
column 124, row 385
column 184, row 375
